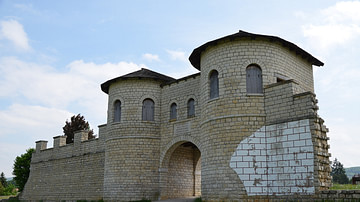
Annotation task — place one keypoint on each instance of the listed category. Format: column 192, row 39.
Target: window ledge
column 172, row 120
column 255, row 94
column 143, row 121
column 213, row 99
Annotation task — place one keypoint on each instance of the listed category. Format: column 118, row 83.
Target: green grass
column 345, row 187
column 6, row 197
column 198, row 199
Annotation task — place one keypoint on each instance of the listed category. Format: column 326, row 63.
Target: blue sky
column 55, row 54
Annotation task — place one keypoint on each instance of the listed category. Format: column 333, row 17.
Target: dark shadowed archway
column 181, row 171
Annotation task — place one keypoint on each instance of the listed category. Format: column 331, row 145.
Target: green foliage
column 198, row 199
column 338, row 173
column 3, row 181
column 76, row 123
column 1, row 189
column 22, row 168
column 345, row 187
column 9, row 190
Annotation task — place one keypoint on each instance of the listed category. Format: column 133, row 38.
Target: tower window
column 148, row 110
column 173, row 111
column 117, row 111
column 254, row 79
column 191, row 107
column 214, row 84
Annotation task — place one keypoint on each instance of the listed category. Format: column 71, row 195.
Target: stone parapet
column 282, row 104
column 59, row 141
column 40, row 145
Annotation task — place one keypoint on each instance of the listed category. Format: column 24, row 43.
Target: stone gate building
column 245, row 127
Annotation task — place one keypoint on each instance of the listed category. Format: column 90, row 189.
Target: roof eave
column 195, row 56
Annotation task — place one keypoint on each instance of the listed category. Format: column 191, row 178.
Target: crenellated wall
column 67, row 172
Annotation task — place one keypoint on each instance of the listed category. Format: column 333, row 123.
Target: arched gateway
column 180, row 171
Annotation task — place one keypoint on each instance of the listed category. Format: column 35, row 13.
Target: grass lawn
column 6, row 197
column 344, row 186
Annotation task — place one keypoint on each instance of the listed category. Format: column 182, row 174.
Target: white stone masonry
column 277, row 160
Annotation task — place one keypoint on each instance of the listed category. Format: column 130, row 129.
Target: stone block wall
column 182, row 178
column 132, row 146
column 180, row 92
column 67, row 172
column 284, row 107
column 277, row 160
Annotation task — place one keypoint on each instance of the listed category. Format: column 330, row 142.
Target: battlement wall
column 67, row 172
column 285, row 102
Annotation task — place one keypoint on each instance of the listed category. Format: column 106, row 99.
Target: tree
column 338, row 173
column 76, row 123
column 22, row 168
column 3, row 180
column 1, row 189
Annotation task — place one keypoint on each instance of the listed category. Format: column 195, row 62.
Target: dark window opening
column 148, row 110
column 117, row 111
column 254, row 80
column 191, row 108
column 214, row 84
column 173, row 111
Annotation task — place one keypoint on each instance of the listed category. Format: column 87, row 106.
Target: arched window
column 214, row 84
column 173, row 111
column 148, row 110
column 117, row 111
column 191, row 107
column 254, row 79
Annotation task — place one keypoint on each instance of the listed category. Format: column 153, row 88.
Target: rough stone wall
column 275, row 61
column 277, row 160
column 235, row 115
column 67, row 172
column 180, row 93
column 182, row 180
column 132, row 145
column 182, row 129
column 284, row 105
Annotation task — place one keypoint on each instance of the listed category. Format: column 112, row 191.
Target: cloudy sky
column 55, row 54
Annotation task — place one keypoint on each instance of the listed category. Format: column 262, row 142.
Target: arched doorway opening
column 181, row 176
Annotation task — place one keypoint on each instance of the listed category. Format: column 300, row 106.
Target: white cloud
column 337, row 25
column 343, row 11
column 177, row 55
column 12, row 30
column 8, row 153
column 42, row 97
column 34, row 121
column 329, row 35
column 151, row 57
column 47, row 86
column 342, row 139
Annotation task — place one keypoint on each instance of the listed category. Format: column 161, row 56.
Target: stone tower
column 132, row 142
column 243, row 66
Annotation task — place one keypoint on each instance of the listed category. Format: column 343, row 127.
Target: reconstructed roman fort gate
column 244, row 127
